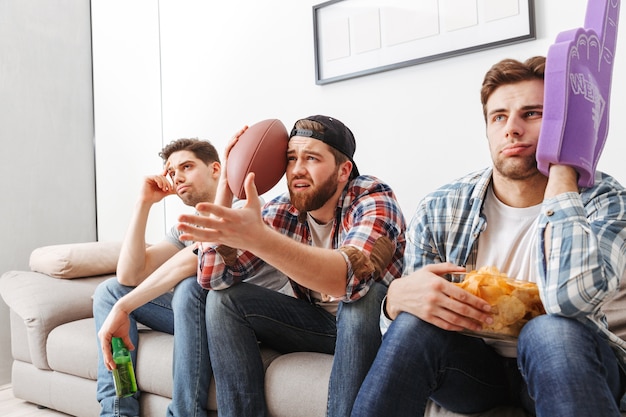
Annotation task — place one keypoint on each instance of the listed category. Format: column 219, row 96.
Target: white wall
column 229, row 63
column 46, row 132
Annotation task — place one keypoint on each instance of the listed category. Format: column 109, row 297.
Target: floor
column 13, row 407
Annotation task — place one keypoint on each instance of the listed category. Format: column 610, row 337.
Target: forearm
column 224, row 195
column 562, row 179
column 180, row 266
column 132, row 261
column 583, row 256
column 322, row 270
column 571, row 249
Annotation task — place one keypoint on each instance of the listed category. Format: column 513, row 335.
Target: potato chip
column 513, row 302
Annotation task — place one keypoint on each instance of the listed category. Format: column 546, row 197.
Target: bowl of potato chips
column 513, row 302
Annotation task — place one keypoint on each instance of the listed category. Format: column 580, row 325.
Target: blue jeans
column 245, row 314
column 182, row 310
column 567, row 369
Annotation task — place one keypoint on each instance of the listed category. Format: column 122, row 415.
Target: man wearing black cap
column 338, row 236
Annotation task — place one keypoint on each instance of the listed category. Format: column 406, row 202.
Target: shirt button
column 550, row 213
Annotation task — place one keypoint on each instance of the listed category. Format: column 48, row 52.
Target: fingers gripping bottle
column 124, row 373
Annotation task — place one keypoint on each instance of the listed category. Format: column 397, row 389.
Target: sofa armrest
column 44, row 302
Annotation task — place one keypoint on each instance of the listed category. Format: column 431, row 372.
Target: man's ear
column 216, row 169
column 345, row 169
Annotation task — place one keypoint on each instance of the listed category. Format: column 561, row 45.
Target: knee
column 366, row 306
column 108, row 292
column 187, row 290
column 408, row 334
column 215, row 301
column 217, row 308
column 363, row 315
column 552, row 341
column 406, row 326
column 550, row 331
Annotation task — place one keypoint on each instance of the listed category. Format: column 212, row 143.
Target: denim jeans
column 569, row 368
column 183, row 310
column 243, row 315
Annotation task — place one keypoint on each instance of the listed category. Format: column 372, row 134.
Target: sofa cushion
column 72, row 349
column 296, row 384
column 154, row 365
column 76, row 260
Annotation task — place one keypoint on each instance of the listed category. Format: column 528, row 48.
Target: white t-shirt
column 321, row 235
column 510, row 243
column 510, row 240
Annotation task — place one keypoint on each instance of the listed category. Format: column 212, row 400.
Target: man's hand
column 224, row 195
column 229, row 147
column 157, row 187
column 432, row 298
column 578, row 73
column 117, row 324
column 237, row 228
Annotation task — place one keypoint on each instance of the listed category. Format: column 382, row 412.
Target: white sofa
column 53, row 343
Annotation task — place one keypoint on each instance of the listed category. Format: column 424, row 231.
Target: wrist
column 224, row 195
column 389, row 308
column 562, row 179
column 121, row 307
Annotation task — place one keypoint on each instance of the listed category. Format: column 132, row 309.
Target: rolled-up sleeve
column 586, row 256
column 220, row 267
column 374, row 241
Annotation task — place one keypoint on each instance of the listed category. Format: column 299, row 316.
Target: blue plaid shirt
column 366, row 212
column 588, row 246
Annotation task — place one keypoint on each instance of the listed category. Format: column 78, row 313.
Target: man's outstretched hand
column 578, row 74
column 238, row 228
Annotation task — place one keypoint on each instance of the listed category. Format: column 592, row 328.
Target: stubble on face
column 316, row 196
column 516, row 169
column 190, row 198
column 198, row 191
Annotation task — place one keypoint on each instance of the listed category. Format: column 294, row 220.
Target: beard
column 316, row 196
column 191, row 198
column 519, row 168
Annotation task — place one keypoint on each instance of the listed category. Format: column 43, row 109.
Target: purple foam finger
column 583, row 104
column 579, row 68
column 605, row 24
column 555, row 101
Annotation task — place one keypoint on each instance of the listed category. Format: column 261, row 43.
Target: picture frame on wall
column 353, row 38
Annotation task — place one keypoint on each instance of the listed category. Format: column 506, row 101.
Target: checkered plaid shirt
column 367, row 210
column 587, row 251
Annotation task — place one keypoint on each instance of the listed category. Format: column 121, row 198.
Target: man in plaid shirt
column 570, row 241
column 337, row 235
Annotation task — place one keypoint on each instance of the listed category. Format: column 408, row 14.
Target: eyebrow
column 305, row 151
column 170, row 168
column 524, row 108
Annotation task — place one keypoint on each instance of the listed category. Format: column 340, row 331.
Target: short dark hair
column 202, row 149
column 510, row 71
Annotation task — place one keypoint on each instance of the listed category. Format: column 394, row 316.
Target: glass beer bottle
column 124, row 373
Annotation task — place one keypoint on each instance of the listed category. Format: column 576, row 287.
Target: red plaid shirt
column 367, row 211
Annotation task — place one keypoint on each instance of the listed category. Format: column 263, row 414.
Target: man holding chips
column 571, row 241
column 542, row 214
